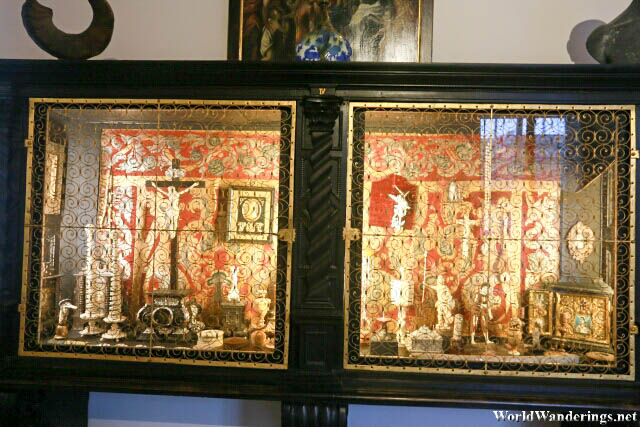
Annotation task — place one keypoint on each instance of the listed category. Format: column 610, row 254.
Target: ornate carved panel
column 325, row 414
column 321, row 214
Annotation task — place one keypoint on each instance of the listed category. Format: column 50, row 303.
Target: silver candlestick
column 94, row 291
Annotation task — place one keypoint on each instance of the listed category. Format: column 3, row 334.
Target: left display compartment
column 159, row 230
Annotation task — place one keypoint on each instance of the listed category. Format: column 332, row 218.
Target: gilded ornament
column 580, row 241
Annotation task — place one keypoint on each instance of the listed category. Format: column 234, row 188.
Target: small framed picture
column 250, row 214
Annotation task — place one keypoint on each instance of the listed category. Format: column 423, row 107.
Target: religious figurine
column 452, row 193
column 565, row 327
column 233, row 310
column 401, row 296
column 234, row 292
column 480, row 311
column 444, row 304
column 62, row 328
column 457, row 327
column 537, row 348
column 400, row 209
column 465, row 246
column 172, row 210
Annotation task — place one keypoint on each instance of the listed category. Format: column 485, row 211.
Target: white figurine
column 444, row 304
column 482, row 312
column 173, row 210
column 466, row 236
column 536, row 335
column 400, row 209
column 453, row 195
column 234, row 292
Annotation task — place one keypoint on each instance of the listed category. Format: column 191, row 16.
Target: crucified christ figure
column 173, row 209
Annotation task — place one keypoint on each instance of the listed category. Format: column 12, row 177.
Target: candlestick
column 115, row 316
column 94, row 291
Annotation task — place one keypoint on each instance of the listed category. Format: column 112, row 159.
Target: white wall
column 130, row 410
column 144, row 29
column 499, row 31
column 519, row 31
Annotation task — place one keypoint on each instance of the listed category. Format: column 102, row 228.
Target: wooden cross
column 172, row 193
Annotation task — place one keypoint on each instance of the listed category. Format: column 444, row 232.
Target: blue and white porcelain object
column 323, row 45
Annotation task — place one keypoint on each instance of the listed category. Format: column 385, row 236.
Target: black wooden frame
column 316, row 375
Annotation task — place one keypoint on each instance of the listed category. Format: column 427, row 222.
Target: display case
column 157, row 228
column 483, row 239
column 321, row 234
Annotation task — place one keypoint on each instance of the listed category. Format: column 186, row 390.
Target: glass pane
column 159, row 230
column 489, row 238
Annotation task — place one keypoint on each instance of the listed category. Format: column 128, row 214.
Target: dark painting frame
column 425, row 31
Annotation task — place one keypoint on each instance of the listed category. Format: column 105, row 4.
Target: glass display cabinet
column 321, row 234
column 489, row 237
column 153, row 230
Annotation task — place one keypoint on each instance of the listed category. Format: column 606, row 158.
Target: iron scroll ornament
column 38, row 21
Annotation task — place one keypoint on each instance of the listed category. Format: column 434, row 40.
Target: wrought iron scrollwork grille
column 491, row 239
column 159, row 230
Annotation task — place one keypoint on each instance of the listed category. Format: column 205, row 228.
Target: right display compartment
column 491, row 239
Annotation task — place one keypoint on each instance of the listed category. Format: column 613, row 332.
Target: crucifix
column 171, row 191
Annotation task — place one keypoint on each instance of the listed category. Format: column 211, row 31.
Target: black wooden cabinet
column 319, row 378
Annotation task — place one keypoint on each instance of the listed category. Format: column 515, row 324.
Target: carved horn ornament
column 618, row 42
column 38, row 21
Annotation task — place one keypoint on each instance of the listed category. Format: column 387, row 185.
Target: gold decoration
column 350, row 234
column 250, row 214
column 287, row 235
column 583, row 318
